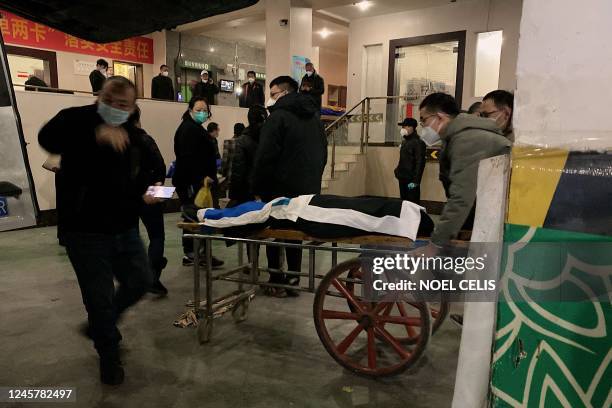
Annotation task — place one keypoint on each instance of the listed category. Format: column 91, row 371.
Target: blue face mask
column 200, row 117
column 112, row 116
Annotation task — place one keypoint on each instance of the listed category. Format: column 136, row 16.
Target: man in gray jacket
column 466, row 139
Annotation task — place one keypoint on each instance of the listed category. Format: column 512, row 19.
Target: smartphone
column 161, row 191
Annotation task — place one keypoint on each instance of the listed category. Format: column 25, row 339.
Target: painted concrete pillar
column 551, row 350
column 285, row 41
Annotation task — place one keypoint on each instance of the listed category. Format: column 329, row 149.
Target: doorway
column 26, row 62
column 131, row 71
column 421, row 66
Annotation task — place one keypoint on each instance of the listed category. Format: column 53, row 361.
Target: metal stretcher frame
column 426, row 323
column 265, row 237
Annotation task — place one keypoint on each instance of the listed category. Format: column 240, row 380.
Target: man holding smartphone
column 102, row 152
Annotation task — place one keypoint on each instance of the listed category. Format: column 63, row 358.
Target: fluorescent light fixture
column 324, row 33
column 363, row 5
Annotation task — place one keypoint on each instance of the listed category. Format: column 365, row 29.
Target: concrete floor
column 274, row 359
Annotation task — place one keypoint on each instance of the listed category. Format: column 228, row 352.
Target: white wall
column 564, row 75
column 471, row 16
column 380, row 181
column 159, row 119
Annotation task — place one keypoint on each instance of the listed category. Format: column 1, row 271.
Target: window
column 488, row 56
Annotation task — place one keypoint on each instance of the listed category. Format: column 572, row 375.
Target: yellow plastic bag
column 204, row 197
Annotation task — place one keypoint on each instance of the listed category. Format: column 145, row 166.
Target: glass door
column 422, row 66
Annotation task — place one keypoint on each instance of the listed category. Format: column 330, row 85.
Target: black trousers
column 97, row 259
column 152, row 217
column 413, row 195
column 294, row 263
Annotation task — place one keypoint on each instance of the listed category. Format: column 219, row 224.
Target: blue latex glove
column 412, row 186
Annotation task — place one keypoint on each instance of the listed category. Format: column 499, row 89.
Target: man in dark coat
column 98, row 76
column 290, row 159
column 161, row 85
column 102, row 152
column 206, row 88
column 409, row 170
column 252, row 92
column 317, row 88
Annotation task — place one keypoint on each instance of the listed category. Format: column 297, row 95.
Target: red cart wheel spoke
column 393, row 343
column 336, row 314
column 371, row 348
column 406, row 321
column 346, row 343
column 348, row 295
column 402, row 311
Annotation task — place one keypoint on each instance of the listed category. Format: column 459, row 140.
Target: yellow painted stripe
column 535, row 175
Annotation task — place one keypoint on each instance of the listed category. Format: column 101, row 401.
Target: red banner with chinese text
column 19, row 31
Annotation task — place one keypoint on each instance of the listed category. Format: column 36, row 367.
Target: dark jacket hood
column 299, row 104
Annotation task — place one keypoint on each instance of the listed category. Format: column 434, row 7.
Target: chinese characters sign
column 19, row 31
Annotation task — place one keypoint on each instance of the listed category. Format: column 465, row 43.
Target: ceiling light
column 324, row 33
column 212, row 49
column 363, row 5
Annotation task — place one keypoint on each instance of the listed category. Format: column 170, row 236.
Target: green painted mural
column 556, row 352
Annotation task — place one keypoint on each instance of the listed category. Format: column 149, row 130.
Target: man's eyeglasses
column 423, row 120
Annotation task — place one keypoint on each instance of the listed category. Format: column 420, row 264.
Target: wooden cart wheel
column 365, row 338
column 205, row 327
column 438, row 310
column 241, row 310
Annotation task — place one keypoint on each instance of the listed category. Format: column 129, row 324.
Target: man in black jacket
column 152, row 216
column 409, row 170
column 206, row 88
column 290, row 159
column 252, row 92
column 316, row 87
column 98, row 76
column 161, row 85
column 104, row 185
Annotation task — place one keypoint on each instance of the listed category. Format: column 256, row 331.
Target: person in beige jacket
column 466, row 139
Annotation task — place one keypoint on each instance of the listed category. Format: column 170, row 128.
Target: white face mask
column 429, row 135
column 272, row 101
column 251, row 80
column 404, row 132
column 165, row 73
column 309, row 73
column 102, row 70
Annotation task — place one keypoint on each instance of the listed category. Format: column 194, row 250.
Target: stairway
column 349, row 174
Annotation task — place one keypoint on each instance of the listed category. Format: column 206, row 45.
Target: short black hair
column 251, row 72
column 257, row 115
column 119, row 83
column 309, row 63
column 212, row 126
column 501, row 98
column 162, row 66
column 285, row 83
column 238, row 128
column 102, row 62
column 440, row 102
column 474, row 107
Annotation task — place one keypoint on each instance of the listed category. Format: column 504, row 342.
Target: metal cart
column 396, row 333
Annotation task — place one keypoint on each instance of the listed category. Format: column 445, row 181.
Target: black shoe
column 457, row 319
column 111, row 372
column 158, row 288
column 216, row 262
